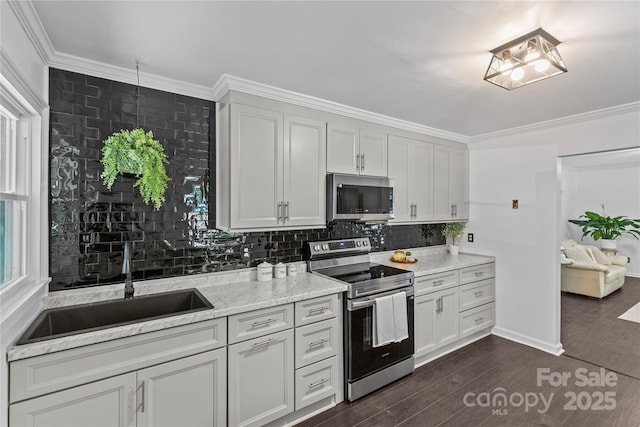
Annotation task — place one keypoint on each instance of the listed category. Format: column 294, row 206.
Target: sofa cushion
column 598, row 255
column 579, row 254
column 615, row 272
column 568, row 243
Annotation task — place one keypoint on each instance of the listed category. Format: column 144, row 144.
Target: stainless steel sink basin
column 64, row 321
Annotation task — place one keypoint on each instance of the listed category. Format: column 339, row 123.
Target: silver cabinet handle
column 478, row 293
column 362, row 161
column 263, row 343
column 279, row 211
column 455, row 210
column 140, row 389
column 479, row 273
column 411, row 210
column 318, row 310
column 286, row 212
column 318, row 383
column 479, row 319
column 262, row 323
column 357, row 162
column 438, row 282
column 415, row 210
column 317, row 343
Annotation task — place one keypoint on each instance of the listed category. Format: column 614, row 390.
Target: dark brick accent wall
column 90, row 223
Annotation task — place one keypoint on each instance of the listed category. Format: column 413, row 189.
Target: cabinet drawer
column 476, row 293
column 479, row 272
column 316, row 382
column 51, row 372
column 435, row 282
column 476, row 319
column 317, row 342
column 261, row 322
column 316, row 309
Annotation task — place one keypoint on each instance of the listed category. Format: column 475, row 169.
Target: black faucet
column 126, row 269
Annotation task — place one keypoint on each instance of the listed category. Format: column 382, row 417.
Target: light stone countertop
column 230, row 293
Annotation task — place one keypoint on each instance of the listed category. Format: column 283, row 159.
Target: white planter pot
column 454, row 249
column 608, row 244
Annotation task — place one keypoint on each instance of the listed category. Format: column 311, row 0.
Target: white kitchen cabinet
column 186, row 392
column 436, row 320
column 410, row 165
column 261, row 379
column 271, row 169
column 355, row 151
column 451, row 183
column 109, row 402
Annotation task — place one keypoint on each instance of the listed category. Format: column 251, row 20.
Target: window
column 13, row 192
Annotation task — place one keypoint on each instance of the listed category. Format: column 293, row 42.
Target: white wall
column 615, row 186
column 524, row 166
column 24, row 69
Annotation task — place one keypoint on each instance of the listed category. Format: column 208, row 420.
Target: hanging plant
column 136, row 152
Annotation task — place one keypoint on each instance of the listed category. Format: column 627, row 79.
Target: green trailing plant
column 606, row 227
column 136, row 152
column 454, row 230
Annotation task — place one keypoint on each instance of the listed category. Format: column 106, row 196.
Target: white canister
column 279, row 271
column 292, row 270
column 265, row 272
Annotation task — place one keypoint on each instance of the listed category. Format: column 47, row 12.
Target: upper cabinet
column 411, row 168
column 451, row 184
column 271, row 169
column 355, row 151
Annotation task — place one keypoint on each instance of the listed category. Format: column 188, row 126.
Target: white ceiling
column 418, row 61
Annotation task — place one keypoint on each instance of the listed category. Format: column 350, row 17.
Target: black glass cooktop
column 356, row 273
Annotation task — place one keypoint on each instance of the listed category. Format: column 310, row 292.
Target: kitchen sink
column 76, row 319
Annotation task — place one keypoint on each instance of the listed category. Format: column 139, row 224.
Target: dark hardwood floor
column 591, row 330
column 441, row 393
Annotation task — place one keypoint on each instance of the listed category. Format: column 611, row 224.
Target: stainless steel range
column 368, row 365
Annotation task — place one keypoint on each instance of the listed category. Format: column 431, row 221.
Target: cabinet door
column 421, row 179
column 186, row 392
column 373, row 153
column 425, row 324
column 261, row 379
column 256, row 167
column 448, row 318
column 399, row 159
column 342, row 148
column 305, row 171
column 442, row 206
column 109, row 402
column 459, row 183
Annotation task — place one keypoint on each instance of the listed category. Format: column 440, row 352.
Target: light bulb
column 541, row 65
column 517, row 74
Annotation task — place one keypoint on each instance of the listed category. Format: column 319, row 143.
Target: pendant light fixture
column 527, row 59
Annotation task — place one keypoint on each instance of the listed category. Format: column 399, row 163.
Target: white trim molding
column 28, row 17
column 562, row 121
column 555, row 349
column 228, row 82
column 23, row 91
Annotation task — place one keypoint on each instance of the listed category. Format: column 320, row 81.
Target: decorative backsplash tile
column 89, row 224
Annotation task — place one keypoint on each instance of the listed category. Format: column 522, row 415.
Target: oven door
column 362, row 358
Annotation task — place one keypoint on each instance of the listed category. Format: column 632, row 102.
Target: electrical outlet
column 470, row 237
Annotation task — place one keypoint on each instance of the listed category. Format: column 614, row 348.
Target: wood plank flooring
column 591, row 330
column 435, row 394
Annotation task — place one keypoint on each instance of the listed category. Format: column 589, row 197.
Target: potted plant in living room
column 454, row 231
column 606, row 228
column 136, row 152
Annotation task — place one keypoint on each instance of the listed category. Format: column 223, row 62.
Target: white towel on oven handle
column 390, row 319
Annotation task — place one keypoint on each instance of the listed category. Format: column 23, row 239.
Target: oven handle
column 353, row 305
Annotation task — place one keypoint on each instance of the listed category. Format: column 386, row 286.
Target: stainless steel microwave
column 359, row 198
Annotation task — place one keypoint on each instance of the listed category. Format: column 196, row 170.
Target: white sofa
column 588, row 271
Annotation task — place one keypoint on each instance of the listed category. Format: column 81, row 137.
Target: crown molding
column 562, row 121
column 33, row 28
column 90, row 67
column 25, row 93
column 228, row 82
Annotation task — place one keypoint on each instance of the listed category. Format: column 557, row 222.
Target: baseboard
column 636, row 276
column 555, row 349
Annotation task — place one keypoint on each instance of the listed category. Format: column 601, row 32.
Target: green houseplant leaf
column 606, row 227
column 454, row 230
column 136, row 152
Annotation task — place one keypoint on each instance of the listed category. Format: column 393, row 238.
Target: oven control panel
column 328, row 247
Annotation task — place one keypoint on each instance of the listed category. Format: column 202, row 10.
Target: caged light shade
column 527, row 59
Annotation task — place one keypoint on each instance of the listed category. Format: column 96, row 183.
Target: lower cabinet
column 261, row 379
column 188, row 392
column 436, row 320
